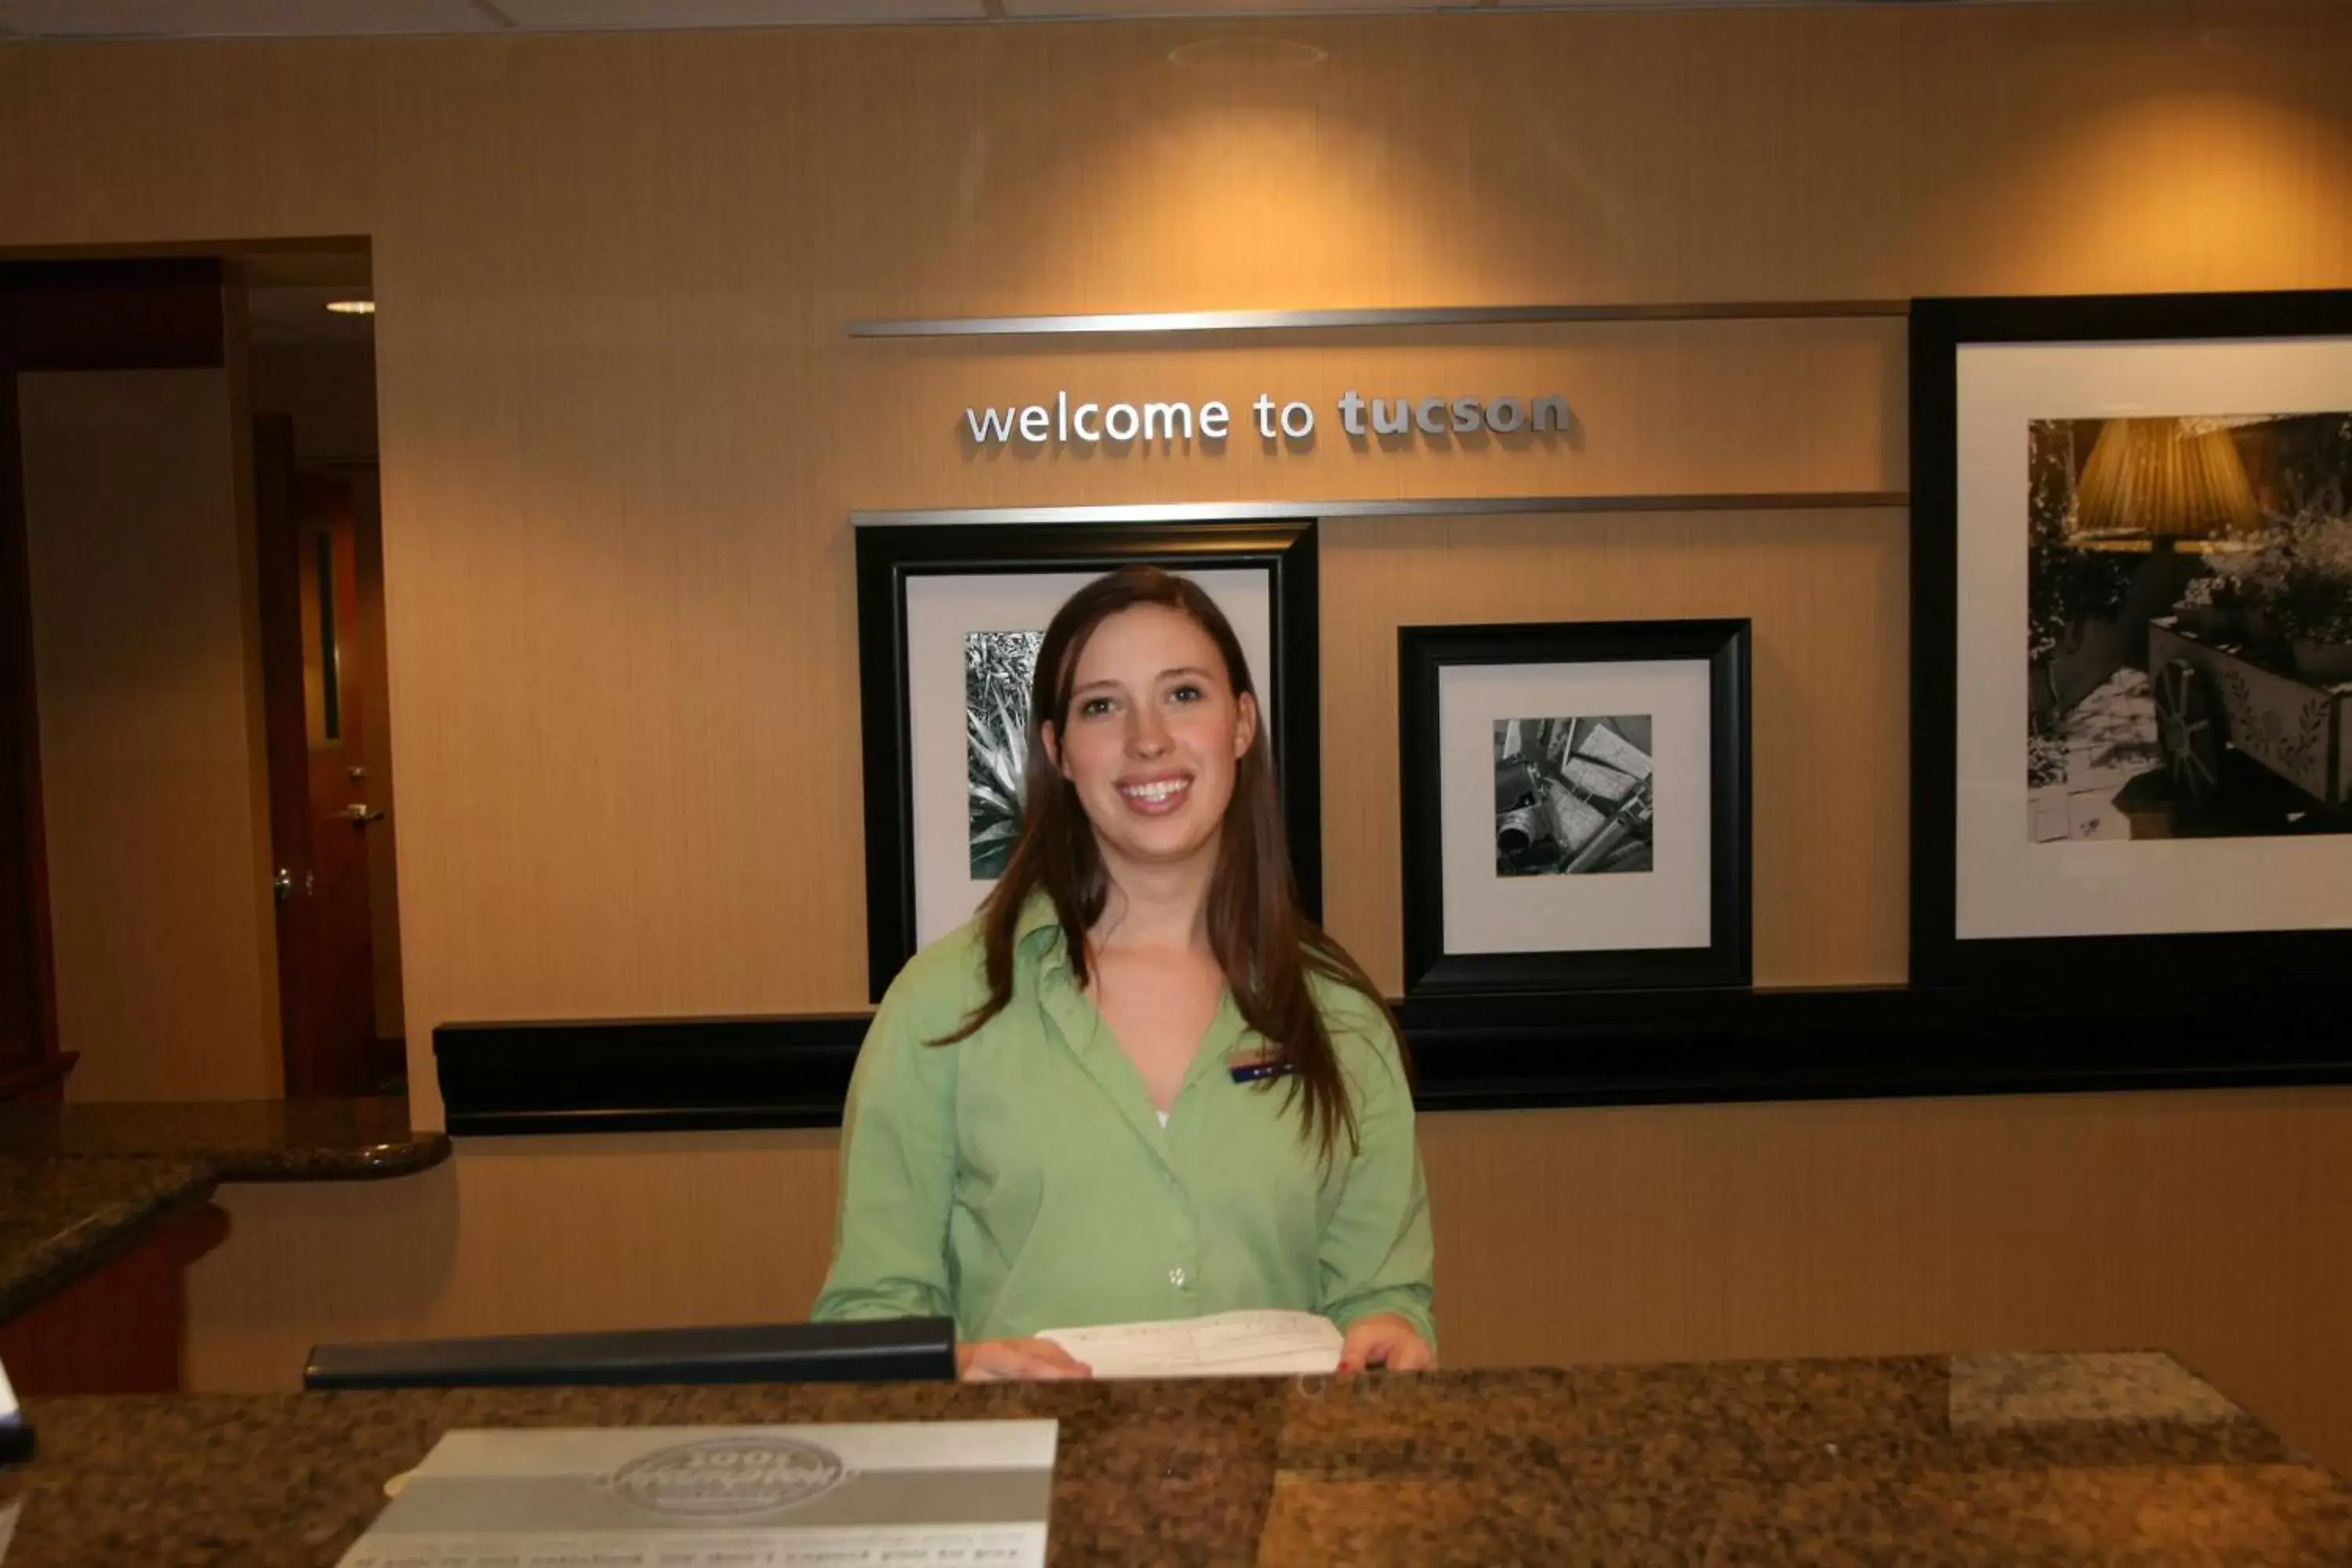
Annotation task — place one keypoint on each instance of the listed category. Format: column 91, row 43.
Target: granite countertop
column 2017, row 1459
column 60, row 1218
column 79, row 1183
column 239, row 1141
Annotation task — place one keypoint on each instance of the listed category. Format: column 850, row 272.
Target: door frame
column 286, row 729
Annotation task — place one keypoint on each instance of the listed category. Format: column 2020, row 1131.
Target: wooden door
column 321, row 805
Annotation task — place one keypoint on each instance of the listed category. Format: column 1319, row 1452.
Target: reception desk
column 104, row 1207
column 1991, row 1459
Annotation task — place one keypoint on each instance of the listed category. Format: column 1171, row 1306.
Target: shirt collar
column 1038, row 936
column 1037, row 915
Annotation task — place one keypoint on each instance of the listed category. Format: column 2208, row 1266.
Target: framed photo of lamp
column 2132, row 642
column 950, row 616
column 1575, row 806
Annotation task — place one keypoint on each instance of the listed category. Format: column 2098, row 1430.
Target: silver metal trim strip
column 1146, row 323
column 1427, row 506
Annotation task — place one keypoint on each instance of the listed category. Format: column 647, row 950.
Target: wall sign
column 1397, row 419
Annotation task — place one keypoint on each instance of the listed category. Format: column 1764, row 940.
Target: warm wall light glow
column 351, row 307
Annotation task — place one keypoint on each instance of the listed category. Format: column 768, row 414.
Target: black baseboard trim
column 645, row 1075
column 1865, row 1042
column 1476, row 1053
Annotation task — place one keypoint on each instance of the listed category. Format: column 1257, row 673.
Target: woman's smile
column 1156, row 796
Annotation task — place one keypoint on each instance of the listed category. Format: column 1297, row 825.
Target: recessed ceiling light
column 351, row 307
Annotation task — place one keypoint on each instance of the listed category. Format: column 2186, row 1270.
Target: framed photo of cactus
column 2132, row 638
column 1575, row 806
column 950, row 616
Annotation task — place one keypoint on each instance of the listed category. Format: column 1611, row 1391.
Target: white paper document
column 928, row 1494
column 1228, row 1345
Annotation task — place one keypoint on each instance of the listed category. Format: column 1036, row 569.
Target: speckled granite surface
column 80, row 1183
column 239, row 1140
column 60, row 1218
column 1850, row 1461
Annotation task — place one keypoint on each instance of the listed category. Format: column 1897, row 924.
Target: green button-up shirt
column 1020, row 1180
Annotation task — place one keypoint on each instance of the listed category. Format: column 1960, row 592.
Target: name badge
column 1251, row 1070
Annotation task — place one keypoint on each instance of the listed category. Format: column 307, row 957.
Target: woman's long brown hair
column 1267, row 948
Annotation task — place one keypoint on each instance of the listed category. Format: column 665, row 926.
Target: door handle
column 361, row 815
column 282, row 884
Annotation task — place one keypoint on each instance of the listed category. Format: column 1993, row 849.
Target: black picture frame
column 2158, row 972
column 890, row 555
column 1724, row 645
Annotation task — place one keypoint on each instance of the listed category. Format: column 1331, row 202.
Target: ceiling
column 28, row 19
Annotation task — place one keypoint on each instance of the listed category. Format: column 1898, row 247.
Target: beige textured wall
column 144, row 669
column 623, row 425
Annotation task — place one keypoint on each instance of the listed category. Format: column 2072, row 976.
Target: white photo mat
column 2006, row 885
column 1670, row 907
column 942, row 606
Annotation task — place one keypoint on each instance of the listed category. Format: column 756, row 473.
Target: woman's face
column 1154, row 731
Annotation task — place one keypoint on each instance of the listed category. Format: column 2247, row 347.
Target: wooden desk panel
column 119, row 1330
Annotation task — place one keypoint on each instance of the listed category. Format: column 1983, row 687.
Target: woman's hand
column 1385, row 1340
column 1005, row 1361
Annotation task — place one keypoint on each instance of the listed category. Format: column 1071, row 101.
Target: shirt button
column 1176, row 1277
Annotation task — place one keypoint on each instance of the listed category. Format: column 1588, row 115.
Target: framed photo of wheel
column 1575, row 806
column 2132, row 640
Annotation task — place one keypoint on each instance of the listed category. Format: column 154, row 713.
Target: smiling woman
column 1141, row 1085
column 1154, row 729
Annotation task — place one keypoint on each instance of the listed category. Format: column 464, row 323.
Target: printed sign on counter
column 945, row 1494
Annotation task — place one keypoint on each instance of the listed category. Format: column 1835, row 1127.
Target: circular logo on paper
column 723, row 1476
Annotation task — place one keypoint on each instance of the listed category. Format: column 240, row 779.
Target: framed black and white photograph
column 2132, row 672
column 1575, row 806
column 950, row 619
